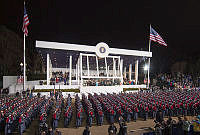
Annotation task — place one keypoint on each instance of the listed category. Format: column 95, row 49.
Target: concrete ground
column 134, row 128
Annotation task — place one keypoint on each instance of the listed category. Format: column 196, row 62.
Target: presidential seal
column 102, row 50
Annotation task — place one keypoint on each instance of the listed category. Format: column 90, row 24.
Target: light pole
column 21, row 65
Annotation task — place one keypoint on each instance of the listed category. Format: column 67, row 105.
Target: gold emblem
column 102, row 49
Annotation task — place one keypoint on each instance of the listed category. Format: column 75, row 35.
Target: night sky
column 119, row 24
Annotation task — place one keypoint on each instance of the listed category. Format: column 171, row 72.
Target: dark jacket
column 86, row 132
column 112, row 130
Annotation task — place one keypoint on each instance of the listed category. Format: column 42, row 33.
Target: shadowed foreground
column 135, row 128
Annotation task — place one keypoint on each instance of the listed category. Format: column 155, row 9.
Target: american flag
column 25, row 22
column 154, row 36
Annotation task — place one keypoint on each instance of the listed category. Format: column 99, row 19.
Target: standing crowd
column 176, row 81
column 17, row 113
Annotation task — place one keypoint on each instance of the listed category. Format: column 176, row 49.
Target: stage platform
column 87, row 89
column 90, row 89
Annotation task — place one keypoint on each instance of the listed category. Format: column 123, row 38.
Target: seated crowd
column 63, row 78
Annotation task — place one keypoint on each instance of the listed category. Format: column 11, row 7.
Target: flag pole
column 24, row 83
column 149, row 61
column 150, row 41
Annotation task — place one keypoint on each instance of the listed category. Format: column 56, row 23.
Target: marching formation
column 68, row 111
column 44, row 112
column 97, row 109
column 88, row 109
column 17, row 113
column 79, row 111
column 130, row 106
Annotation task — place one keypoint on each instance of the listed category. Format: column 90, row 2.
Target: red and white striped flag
column 25, row 22
column 154, row 36
column 20, row 79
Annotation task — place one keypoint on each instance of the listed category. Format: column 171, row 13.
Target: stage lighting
column 146, row 67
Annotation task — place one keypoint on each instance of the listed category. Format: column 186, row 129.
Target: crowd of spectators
column 101, row 82
column 176, row 81
column 58, row 77
column 63, row 78
column 180, row 126
column 128, row 82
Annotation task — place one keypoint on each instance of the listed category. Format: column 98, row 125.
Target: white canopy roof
column 87, row 48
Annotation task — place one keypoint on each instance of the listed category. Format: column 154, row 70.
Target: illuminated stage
column 94, row 69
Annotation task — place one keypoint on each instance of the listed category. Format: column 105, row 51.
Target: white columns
column 70, row 70
column 81, row 67
column 106, row 67
column 48, row 64
column 50, row 68
column 136, row 72
column 124, row 72
column 88, row 66
column 121, row 68
column 78, row 68
column 121, row 74
column 97, row 66
column 118, row 71
column 130, row 71
column 76, row 72
column 114, row 67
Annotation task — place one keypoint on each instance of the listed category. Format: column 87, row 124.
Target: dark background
column 120, row 24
